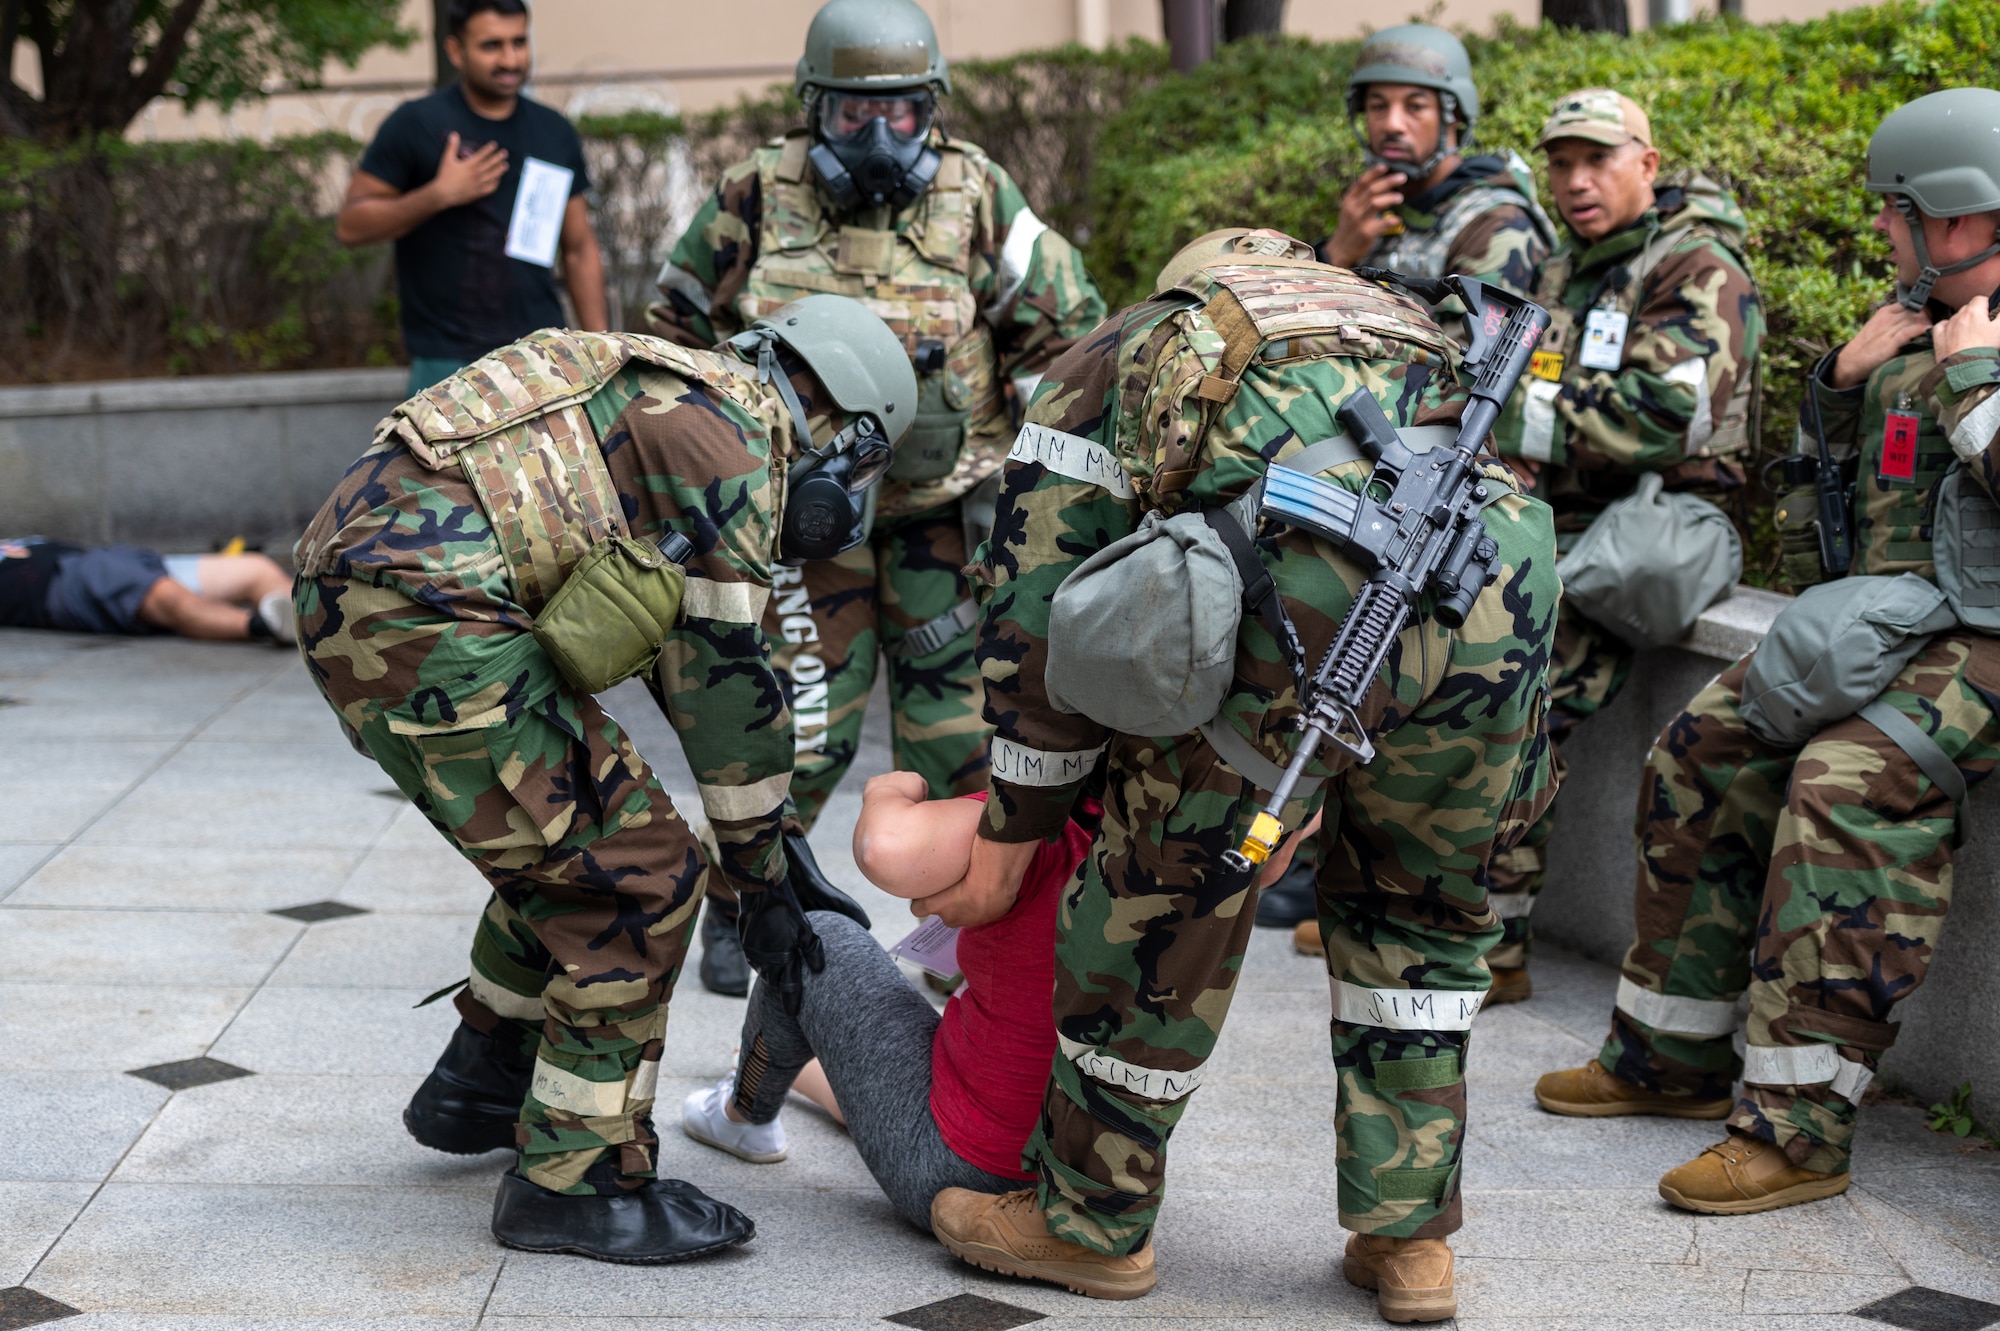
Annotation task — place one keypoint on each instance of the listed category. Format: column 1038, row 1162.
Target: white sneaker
column 702, row 1118
column 277, row 613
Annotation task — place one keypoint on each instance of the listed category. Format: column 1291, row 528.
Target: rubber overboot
column 469, row 1103
column 1306, row 940
column 1412, row 1278
column 723, row 969
column 1007, row 1234
column 1291, row 899
column 1591, row 1092
column 1510, row 985
column 1739, row 1175
column 664, row 1221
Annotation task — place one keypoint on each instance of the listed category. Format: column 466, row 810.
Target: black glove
column 812, row 888
column 779, row 943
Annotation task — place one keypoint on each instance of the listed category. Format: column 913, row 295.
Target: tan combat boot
column 1510, row 985
column 1411, row 1277
column 1591, row 1092
column 1306, row 940
column 1740, row 1174
column 1007, row 1234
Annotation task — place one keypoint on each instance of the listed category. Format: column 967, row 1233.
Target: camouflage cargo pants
column 1818, row 879
column 596, row 878
column 1588, row 669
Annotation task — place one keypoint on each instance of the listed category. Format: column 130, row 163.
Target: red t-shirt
column 990, row 1057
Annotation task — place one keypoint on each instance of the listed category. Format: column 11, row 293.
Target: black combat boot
column 723, row 970
column 664, row 1220
column 1289, row 900
column 470, row 1101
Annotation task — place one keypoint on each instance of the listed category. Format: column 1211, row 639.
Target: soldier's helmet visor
column 906, row 112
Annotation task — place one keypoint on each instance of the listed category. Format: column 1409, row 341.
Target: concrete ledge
column 1950, row 1027
column 303, row 388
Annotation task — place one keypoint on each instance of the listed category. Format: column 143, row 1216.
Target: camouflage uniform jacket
column 689, row 442
column 1678, row 402
column 1124, row 424
column 1483, row 222
column 1905, row 426
column 968, row 264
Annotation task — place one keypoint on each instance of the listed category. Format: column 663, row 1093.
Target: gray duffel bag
column 1832, row 651
column 1651, row 563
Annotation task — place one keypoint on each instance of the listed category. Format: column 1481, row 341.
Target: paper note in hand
column 932, row 946
column 538, row 212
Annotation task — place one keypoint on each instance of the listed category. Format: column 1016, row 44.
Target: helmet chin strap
column 770, row 372
column 1447, row 121
column 1917, row 296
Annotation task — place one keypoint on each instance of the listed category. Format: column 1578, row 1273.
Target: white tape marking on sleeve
column 1151, row 1083
column 1976, row 431
column 505, row 1002
column 733, row 804
column 1805, row 1065
column 679, row 281
column 1694, row 374
column 562, row 1089
column 1073, row 456
column 1699, row 1018
column 1538, row 420
column 728, row 602
column 1015, row 258
column 1511, row 905
column 1025, row 386
column 1020, row 765
column 646, row 1081
column 1405, row 1009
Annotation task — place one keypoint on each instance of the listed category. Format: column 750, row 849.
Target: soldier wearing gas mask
column 872, row 199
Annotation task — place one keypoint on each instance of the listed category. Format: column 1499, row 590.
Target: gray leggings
column 872, row 1033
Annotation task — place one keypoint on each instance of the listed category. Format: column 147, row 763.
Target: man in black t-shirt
column 480, row 188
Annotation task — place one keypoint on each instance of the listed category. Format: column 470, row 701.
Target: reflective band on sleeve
column 1073, row 456
column 1015, row 258
column 728, row 602
column 1694, row 374
column 1976, row 431
column 674, row 281
column 1019, row 765
column 733, row 804
column 561, row 1089
column 505, row 1002
column 1805, row 1065
column 1538, row 420
column 1669, row 1014
column 1151, row 1083
column 1405, row 1009
column 1511, row 905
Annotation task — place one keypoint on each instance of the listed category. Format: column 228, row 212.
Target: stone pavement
column 162, row 802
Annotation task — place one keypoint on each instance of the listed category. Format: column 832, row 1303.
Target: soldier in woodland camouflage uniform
column 1818, row 878
column 418, row 584
column 1183, row 402
column 873, row 200
column 1664, row 262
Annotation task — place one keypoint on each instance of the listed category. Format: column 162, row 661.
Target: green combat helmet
column 1939, row 156
column 830, row 491
column 1420, row 56
column 870, row 79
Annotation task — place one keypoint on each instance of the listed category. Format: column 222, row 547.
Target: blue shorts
column 99, row 591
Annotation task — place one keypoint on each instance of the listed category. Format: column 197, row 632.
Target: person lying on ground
column 932, row 1100
column 47, row 584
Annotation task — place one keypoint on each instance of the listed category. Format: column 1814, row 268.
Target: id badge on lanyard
column 1899, row 447
column 1604, row 340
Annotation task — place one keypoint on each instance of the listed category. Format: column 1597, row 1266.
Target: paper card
column 536, row 229
column 1899, row 447
column 1604, row 340
column 931, row 946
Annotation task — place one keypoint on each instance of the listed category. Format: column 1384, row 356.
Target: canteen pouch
column 607, row 621
column 930, row 450
column 1651, row 563
column 1966, row 547
column 1832, row 651
column 1142, row 636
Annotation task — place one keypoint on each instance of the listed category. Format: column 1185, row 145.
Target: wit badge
column 931, row 946
column 1603, row 340
column 538, row 212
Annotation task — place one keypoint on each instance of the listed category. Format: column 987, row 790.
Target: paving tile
column 230, row 878
column 965, row 1312
column 1595, row 1288
column 319, row 912
column 407, row 828
column 380, row 951
column 161, row 814
column 1586, row 1152
column 19, row 859
column 338, row 1031
column 1933, row 1256
column 263, row 1322
column 101, row 762
column 1561, row 1224
column 1921, row 1309
column 189, row 1074
column 1654, row 1322
column 31, row 1216
column 287, row 709
column 254, row 1251
column 21, row 1306
column 1826, row 1236
column 1963, row 1204
column 300, row 1132
column 1890, row 1139
column 428, row 877
column 158, row 718
column 706, row 1321
column 46, row 811
column 327, row 763
column 1818, row 1291
column 84, row 1027
column 137, row 947
column 71, row 1126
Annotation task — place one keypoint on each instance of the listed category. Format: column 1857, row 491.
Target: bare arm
column 909, row 845
column 583, row 267
column 376, row 212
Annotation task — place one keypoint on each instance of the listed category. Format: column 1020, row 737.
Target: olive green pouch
column 1797, row 518
column 607, row 621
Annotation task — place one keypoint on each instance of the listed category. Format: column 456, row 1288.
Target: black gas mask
column 866, row 163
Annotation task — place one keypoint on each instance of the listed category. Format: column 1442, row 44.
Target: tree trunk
column 442, row 72
column 1588, row 15
column 1190, row 27
column 1252, row 18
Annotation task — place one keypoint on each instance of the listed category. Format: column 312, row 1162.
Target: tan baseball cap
column 1600, row 115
